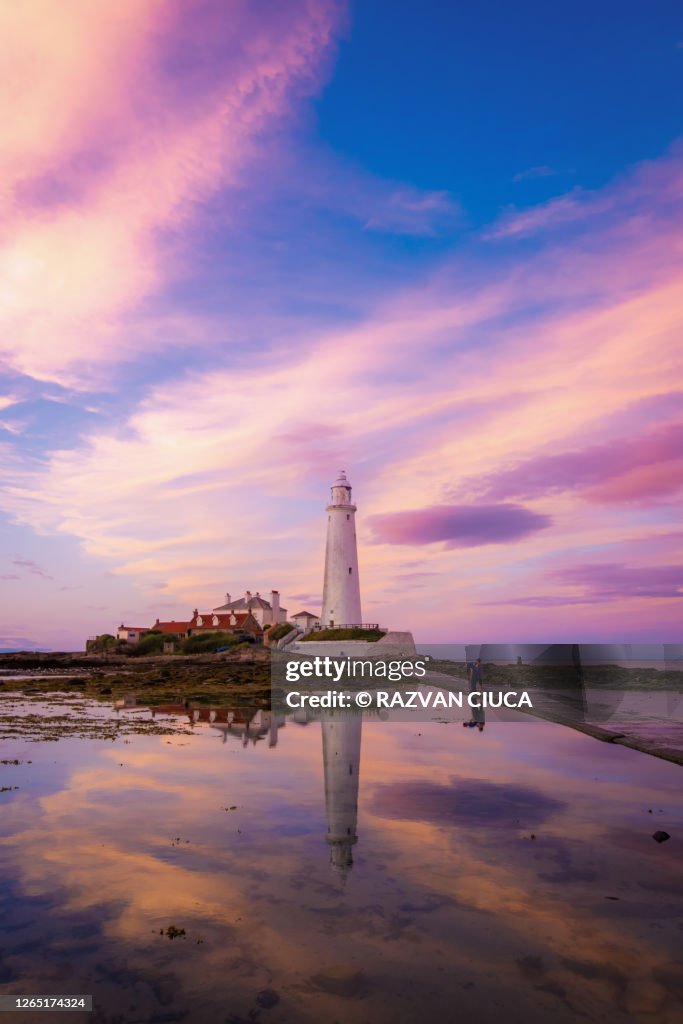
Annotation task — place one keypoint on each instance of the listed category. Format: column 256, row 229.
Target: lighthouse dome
column 341, row 480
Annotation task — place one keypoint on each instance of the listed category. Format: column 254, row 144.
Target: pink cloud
column 658, row 180
column 641, row 467
column 137, row 145
column 567, row 209
column 643, row 484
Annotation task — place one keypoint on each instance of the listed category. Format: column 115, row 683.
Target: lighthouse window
column 348, row 517
column 349, row 570
column 350, row 769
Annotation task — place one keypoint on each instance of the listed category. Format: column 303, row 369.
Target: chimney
column 227, row 598
column 275, row 602
column 247, row 595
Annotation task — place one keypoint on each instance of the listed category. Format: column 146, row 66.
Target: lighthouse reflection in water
column 341, row 743
column 341, row 759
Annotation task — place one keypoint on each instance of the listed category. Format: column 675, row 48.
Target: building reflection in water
column 341, row 744
column 249, row 726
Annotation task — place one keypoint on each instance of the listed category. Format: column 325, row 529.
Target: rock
column 660, row 837
column 267, row 998
column 532, row 967
column 339, row 981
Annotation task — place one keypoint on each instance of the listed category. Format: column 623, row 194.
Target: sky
column 244, row 245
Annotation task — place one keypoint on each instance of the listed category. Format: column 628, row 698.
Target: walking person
column 476, row 675
column 478, row 717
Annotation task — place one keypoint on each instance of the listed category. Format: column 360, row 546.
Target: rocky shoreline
column 241, row 676
column 242, row 679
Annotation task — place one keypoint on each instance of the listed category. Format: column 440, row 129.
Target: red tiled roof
column 171, row 627
column 224, row 621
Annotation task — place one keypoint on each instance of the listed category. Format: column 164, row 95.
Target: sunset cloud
column 134, row 149
column 458, row 525
column 639, row 468
column 612, row 580
column 207, row 311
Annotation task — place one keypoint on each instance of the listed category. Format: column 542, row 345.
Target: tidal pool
column 337, row 871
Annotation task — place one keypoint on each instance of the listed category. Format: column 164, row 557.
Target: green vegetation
column 104, row 642
column 151, row 643
column 277, row 632
column 205, row 643
column 371, row 635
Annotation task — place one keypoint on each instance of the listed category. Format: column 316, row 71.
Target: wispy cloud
column 137, row 141
column 647, row 190
column 540, row 171
column 567, row 209
column 31, row 567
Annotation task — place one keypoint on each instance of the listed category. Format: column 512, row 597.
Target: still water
column 340, row 871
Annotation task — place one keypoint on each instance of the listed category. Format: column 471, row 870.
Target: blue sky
column 464, row 97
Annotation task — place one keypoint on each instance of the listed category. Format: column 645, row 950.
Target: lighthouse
column 341, row 588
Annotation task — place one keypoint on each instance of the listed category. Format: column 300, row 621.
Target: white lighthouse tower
column 341, row 759
column 341, row 589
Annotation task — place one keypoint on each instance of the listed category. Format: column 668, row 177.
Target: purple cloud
column 458, row 525
column 32, row 567
column 614, row 580
column 19, row 643
column 10, row 576
column 594, row 466
column 544, row 601
column 604, row 583
column 411, row 577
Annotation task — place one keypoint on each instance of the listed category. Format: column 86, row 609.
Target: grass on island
column 277, row 632
column 371, row 635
